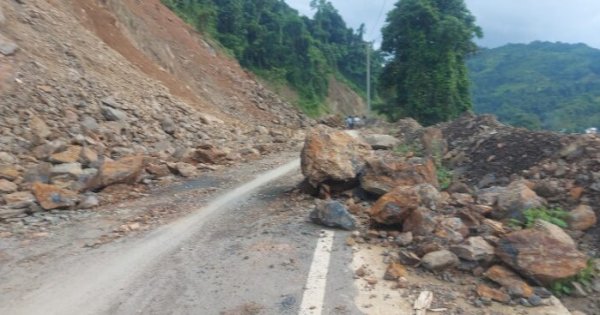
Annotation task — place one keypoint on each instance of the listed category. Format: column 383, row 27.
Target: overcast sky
column 503, row 21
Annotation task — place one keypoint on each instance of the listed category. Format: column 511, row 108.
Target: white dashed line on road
column 314, row 293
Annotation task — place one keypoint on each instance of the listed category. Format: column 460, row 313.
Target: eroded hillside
column 88, row 82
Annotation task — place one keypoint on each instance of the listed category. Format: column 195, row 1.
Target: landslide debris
column 100, row 95
column 519, row 212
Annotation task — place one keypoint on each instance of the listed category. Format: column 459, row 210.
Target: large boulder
column 52, row 197
column 124, row 171
column 540, row 254
column 382, row 174
column 516, row 198
column 333, row 214
column 332, row 156
column 397, row 205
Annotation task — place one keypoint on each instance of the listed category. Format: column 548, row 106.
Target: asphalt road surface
column 247, row 250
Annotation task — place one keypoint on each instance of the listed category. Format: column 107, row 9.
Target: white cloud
column 503, row 21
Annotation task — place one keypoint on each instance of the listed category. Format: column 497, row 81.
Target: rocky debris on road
column 498, row 217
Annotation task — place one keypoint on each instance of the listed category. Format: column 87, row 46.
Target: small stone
column 333, row 214
column 90, row 201
column 51, row 197
column 394, row 272
column 371, row 281
column 9, row 172
column 439, row 260
column 582, row 218
column 408, row 258
column 404, row 239
column 184, row 169
column 535, row 300
column 70, row 155
column 72, row 169
column 474, row 249
column 7, row 47
column 485, row 291
column 7, row 187
column 510, row 280
column 112, row 114
column 19, row 200
column 360, row 272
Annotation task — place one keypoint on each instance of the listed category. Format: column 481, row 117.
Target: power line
column 378, row 18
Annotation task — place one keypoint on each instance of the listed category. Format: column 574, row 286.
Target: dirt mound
column 483, row 147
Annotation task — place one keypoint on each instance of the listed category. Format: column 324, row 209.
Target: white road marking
column 314, row 294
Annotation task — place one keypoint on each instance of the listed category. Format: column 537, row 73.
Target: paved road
column 248, row 251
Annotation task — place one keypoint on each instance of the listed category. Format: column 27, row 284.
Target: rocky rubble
column 79, row 116
column 483, row 222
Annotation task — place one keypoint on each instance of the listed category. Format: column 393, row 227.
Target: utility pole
column 368, row 78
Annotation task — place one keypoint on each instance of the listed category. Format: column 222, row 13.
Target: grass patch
column 584, row 277
column 556, row 216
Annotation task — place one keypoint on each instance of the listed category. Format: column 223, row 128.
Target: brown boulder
column 124, row 171
column 538, row 254
column 382, row 174
column 70, row 155
column 51, row 197
column 509, row 280
column 332, row 155
column 582, row 218
column 395, row 206
column 516, row 198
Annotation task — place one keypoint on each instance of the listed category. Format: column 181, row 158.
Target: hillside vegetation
column 540, row 85
column 274, row 41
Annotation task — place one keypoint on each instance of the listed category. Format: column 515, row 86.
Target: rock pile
column 77, row 116
column 497, row 218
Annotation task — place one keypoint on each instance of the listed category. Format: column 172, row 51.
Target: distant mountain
column 540, row 85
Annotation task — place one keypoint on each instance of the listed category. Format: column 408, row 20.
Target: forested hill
column 539, row 85
column 274, row 41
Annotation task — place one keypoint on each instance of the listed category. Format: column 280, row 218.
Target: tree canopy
column 427, row 42
column 274, row 41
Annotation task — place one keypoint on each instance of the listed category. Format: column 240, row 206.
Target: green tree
column 427, row 42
